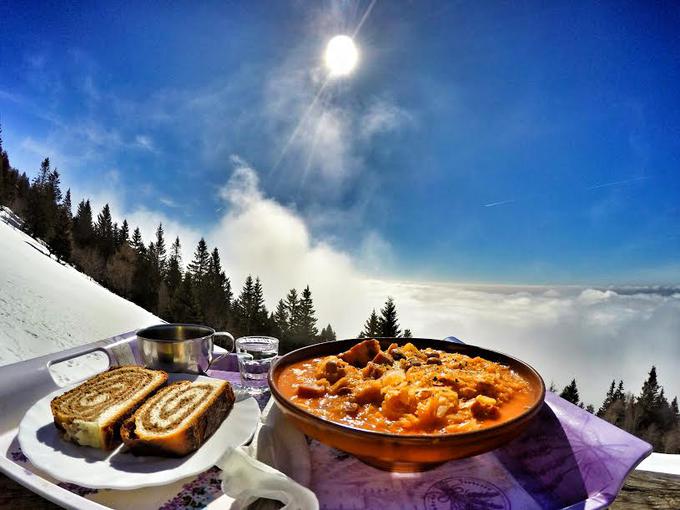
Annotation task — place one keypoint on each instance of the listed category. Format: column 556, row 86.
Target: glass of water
column 255, row 357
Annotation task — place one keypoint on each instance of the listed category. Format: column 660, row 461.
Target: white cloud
column 259, row 236
column 145, row 142
column 593, row 335
column 168, row 202
column 375, row 255
column 383, row 116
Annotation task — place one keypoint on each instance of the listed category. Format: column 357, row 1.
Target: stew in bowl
column 405, row 404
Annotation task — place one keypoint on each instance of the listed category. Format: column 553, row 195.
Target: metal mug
column 179, row 347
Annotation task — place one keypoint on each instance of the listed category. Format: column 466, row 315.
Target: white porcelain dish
column 97, row 469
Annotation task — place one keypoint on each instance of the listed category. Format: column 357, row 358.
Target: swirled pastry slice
column 179, row 418
column 91, row 414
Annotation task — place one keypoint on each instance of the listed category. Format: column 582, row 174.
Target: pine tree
column 116, row 236
column 124, row 234
column 183, row 305
column 8, row 177
column 67, row 205
column 141, row 285
column 371, row 326
column 281, row 320
column 198, row 268
column 173, row 278
column 646, row 404
column 260, row 313
column 608, row 399
column 215, row 294
column 408, row 334
column 54, row 186
column 664, row 417
column 161, row 252
column 389, row 325
column 176, row 251
column 60, row 240
column 327, row 334
column 10, row 183
column 306, row 327
column 60, row 243
column 570, row 393
column 650, row 390
column 654, row 416
column 245, row 308
column 137, row 242
column 104, row 233
column 18, row 192
column 293, row 312
column 83, row 231
column 619, row 394
column 39, row 217
column 153, row 278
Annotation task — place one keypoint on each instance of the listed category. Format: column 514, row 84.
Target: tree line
column 648, row 415
column 154, row 275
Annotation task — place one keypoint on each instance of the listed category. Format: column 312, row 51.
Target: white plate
column 91, row 467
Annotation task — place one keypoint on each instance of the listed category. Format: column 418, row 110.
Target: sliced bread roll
column 179, row 418
column 91, row 414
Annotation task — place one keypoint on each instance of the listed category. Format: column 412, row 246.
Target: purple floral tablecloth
column 567, row 458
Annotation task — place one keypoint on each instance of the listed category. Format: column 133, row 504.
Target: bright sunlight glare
column 341, row 55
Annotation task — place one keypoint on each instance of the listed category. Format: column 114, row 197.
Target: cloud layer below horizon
column 594, row 335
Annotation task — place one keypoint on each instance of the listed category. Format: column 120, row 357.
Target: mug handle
column 230, row 337
column 213, row 359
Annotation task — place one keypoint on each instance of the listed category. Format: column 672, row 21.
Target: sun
column 341, row 55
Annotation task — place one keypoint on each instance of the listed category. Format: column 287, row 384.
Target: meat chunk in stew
column 361, row 353
column 311, row 391
column 332, row 369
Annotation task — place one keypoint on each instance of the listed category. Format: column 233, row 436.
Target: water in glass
column 255, row 357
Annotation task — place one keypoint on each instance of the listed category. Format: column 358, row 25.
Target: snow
column 47, row 307
column 661, row 463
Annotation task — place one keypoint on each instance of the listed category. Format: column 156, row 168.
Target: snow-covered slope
column 46, row 306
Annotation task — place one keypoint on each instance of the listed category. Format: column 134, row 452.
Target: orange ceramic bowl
column 401, row 452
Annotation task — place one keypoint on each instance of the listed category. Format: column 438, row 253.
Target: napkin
column 255, row 473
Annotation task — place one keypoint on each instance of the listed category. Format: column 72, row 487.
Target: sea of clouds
column 592, row 334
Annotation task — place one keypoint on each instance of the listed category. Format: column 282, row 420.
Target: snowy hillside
column 46, row 306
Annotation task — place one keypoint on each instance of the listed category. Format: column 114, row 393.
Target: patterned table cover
column 567, row 458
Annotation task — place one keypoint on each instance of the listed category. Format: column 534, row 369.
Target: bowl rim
column 410, row 438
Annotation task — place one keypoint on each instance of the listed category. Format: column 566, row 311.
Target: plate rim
column 52, row 469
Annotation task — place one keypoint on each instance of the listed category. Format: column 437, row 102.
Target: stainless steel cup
column 185, row 348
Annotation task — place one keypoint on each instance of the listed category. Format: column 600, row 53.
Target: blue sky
column 508, row 142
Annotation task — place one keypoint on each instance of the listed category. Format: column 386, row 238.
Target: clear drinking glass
column 255, row 357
